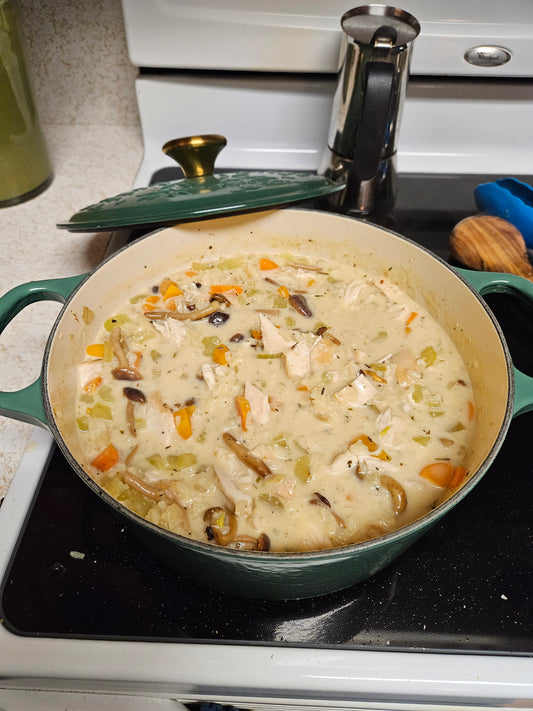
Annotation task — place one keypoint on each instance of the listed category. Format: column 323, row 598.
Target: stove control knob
column 487, row 56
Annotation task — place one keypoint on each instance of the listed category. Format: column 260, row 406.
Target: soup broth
column 274, row 403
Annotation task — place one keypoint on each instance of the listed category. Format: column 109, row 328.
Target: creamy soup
column 272, row 403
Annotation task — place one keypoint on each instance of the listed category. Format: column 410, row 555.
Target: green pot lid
column 200, row 193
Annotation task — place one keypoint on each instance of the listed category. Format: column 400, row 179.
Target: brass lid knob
column 196, row 155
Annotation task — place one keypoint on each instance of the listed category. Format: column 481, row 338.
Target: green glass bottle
column 25, row 168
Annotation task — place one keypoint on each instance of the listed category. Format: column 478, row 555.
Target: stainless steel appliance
column 88, row 617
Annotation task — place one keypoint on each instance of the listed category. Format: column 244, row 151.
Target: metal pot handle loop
column 27, row 404
column 490, row 282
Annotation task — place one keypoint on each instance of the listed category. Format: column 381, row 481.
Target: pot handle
column 27, row 405
column 487, row 282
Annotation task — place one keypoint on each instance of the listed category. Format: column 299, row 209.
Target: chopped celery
column 181, row 461
column 102, row 411
column 142, row 336
column 135, row 501
column 104, row 393
column 210, row 343
column 108, row 351
column 271, row 500
column 422, row 439
column 230, row 263
column 418, row 393
column 117, row 320
column 113, row 485
column 267, row 356
column 138, row 299
column 157, row 461
column 155, row 355
column 85, row 397
column 429, row 355
column 380, row 336
column 200, row 266
column 459, row 427
column 290, row 321
column 83, row 423
column 301, row 468
column 279, row 302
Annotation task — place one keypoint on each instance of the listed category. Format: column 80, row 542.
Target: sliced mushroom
column 249, row 543
column 212, row 515
column 134, row 395
column 195, row 315
column 220, row 298
column 323, row 331
column 299, row 303
column 124, row 371
column 245, row 455
column 130, row 417
column 306, row 268
column 396, row 491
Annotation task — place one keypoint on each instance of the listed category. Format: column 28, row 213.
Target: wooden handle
column 490, row 244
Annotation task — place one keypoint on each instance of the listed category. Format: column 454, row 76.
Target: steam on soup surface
column 272, row 403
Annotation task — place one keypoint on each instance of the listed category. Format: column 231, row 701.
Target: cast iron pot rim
column 340, row 551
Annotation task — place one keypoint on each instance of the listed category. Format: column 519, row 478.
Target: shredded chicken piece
column 273, row 341
column 356, row 393
column 297, row 360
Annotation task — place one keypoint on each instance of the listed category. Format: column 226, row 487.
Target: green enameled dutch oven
column 452, row 296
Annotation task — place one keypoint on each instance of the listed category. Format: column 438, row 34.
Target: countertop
column 90, row 162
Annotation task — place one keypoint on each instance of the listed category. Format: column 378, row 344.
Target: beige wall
column 81, row 70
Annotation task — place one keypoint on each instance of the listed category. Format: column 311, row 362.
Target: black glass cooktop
column 466, row 585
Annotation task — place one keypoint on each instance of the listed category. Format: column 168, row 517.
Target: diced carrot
column 149, row 303
column 267, row 264
column 169, row 289
column 471, row 410
column 243, row 408
column 190, row 273
column 410, row 319
column 93, row 384
column 219, row 354
column 367, row 441
column 438, row 473
column 383, row 456
column 457, row 478
column 182, row 420
column 284, row 292
column 310, row 282
column 303, row 388
column 107, row 458
column 220, row 288
column 138, row 357
column 256, row 333
column 95, row 349
column 171, row 306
